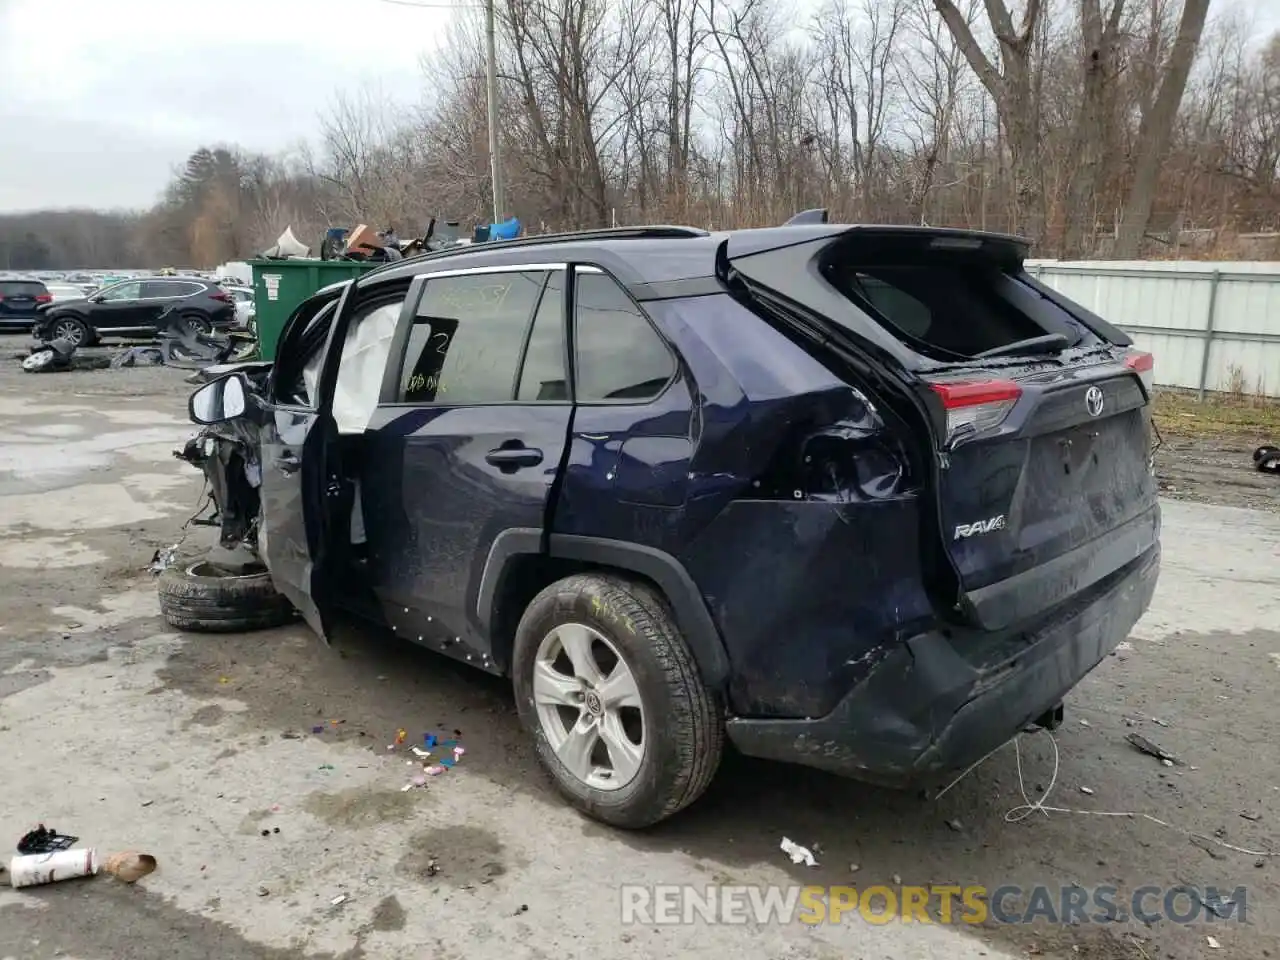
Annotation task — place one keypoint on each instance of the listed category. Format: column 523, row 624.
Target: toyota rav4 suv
column 870, row 499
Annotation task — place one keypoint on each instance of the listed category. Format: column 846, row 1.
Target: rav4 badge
column 966, row 530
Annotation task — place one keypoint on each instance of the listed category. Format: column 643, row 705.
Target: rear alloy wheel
column 71, row 330
column 196, row 323
column 205, row 598
column 620, row 716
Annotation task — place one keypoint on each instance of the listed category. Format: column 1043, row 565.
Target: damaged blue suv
column 864, row 498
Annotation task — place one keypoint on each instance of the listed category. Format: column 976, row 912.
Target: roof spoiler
column 807, row 217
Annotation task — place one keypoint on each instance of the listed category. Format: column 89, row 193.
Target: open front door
column 297, row 440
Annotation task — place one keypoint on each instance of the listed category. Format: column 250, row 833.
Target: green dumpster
column 280, row 285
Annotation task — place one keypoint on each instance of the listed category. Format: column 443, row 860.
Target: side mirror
column 218, row 401
column 95, row 299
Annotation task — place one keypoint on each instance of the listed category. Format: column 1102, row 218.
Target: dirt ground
column 115, row 728
column 1207, row 450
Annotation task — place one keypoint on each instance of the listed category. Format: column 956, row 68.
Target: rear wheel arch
column 518, row 568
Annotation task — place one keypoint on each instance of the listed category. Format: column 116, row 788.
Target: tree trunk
column 1156, row 129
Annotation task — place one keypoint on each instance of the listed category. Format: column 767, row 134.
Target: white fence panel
column 1210, row 326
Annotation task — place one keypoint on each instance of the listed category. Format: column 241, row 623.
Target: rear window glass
column 948, row 311
column 22, row 288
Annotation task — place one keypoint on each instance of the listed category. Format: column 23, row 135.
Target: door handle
column 512, row 458
column 288, row 463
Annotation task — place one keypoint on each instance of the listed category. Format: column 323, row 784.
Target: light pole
column 495, row 145
column 491, row 84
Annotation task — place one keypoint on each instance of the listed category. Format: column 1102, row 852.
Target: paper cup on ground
column 37, row 868
column 129, row 866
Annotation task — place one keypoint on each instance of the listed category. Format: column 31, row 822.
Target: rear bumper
column 926, row 709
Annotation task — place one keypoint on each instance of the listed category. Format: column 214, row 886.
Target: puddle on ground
column 37, row 458
column 364, row 806
column 48, row 553
column 117, row 609
column 459, row 856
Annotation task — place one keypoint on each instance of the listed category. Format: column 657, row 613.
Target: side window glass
column 154, row 289
column 123, row 291
column 465, row 344
column 619, row 354
column 542, row 374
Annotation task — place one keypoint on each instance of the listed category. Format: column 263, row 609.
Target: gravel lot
column 129, row 735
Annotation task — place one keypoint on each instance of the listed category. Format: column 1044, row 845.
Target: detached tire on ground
column 620, row 716
column 206, row 599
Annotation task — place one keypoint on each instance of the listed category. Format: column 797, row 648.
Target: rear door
column 465, row 446
column 1038, row 422
column 296, row 433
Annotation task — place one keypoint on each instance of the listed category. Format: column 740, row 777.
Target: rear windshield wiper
column 1048, row 343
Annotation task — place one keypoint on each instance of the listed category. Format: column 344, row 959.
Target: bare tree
column 1156, row 129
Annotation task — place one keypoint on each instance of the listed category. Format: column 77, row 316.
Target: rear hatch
column 21, row 299
column 1037, row 412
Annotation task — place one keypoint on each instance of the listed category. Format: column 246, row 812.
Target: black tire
column 684, row 719
column 200, row 597
column 72, row 329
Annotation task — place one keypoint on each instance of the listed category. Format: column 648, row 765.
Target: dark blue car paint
column 816, row 612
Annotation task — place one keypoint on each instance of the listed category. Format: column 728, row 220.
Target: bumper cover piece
column 927, row 710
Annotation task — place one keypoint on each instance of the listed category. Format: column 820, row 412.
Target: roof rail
column 656, row 232
column 806, row 217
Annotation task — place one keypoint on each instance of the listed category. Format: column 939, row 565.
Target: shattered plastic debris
column 339, row 899
column 1087, row 791
column 1213, row 943
column 318, row 728
column 797, row 853
column 1152, row 749
column 429, row 740
column 434, row 771
column 401, row 735
column 162, row 560
column 420, row 753
column 44, row 840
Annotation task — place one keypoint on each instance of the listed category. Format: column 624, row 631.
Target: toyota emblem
column 1093, row 401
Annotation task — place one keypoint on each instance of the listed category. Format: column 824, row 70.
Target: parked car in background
column 868, row 499
column 20, row 302
column 246, row 311
column 65, row 291
column 134, row 308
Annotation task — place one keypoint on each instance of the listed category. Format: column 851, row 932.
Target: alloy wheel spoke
column 576, row 641
column 575, row 750
column 619, row 688
column 553, row 687
column 623, row 754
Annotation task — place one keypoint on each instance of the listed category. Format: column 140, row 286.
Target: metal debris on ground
column 797, row 853
column 1088, row 791
column 339, row 899
column 1151, row 749
column 163, row 558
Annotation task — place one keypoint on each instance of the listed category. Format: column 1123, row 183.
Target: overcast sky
column 100, row 100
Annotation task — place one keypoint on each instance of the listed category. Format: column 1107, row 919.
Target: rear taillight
column 44, row 298
column 976, row 405
column 220, row 297
column 1144, row 365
